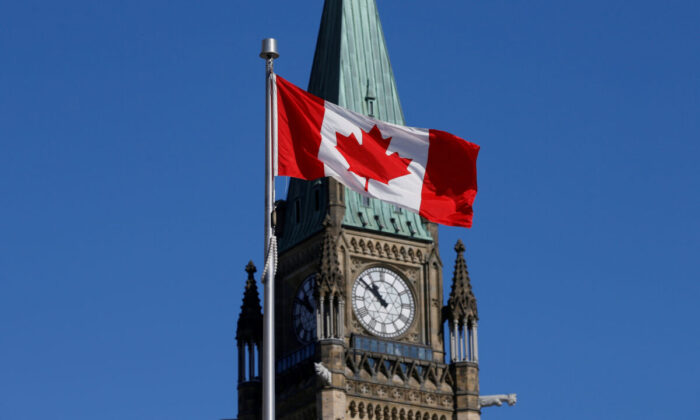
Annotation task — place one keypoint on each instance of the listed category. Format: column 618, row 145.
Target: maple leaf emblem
column 369, row 159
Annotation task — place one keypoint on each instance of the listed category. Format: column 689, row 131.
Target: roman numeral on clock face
column 382, row 302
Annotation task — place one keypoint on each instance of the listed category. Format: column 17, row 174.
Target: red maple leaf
column 369, row 159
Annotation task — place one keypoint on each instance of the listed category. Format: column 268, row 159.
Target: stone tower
column 249, row 340
column 359, row 298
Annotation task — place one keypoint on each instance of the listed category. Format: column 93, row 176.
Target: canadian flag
column 430, row 172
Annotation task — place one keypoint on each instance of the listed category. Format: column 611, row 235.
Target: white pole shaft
column 268, row 377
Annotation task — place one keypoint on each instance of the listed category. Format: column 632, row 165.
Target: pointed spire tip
column 459, row 246
column 250, row 268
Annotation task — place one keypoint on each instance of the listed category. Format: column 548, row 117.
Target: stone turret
column 461, row 315
column 330, row 326
column 250, row 320
column 461, row 304
column 249, row 340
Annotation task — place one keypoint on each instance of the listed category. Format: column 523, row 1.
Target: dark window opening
column 317, row 199
column 297, row 210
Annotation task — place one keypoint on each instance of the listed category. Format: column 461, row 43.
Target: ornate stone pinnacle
column 459, row 247
column 461, row 303
column 250, row 319
column 329, row 279
column 250, row 269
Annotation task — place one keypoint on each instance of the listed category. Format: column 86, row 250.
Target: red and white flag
column 430, row 172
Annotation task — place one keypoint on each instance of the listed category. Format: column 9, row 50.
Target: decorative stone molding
column 386, row 370
column 446, row 401
column 382, row 249
column 398, row 393
column 388, row 411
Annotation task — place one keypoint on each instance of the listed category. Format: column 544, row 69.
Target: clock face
column 382, row 302
column 304, row 311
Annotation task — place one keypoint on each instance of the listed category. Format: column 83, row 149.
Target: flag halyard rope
column 270, row 259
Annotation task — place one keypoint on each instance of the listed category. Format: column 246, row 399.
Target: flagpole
column 269, row 53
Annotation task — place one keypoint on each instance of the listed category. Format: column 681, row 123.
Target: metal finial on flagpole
column 269, row 48
column 269, row 53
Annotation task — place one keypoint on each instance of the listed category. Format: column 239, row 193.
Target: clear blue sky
column 131, row 151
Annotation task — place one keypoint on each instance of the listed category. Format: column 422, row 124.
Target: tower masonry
column 359, row 304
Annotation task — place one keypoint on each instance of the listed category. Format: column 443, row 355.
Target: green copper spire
column 351, row 60
column 352, row 69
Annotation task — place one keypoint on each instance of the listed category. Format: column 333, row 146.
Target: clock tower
column 359, row 292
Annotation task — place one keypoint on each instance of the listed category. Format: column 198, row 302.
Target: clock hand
column 379, row 296
column 305, row 303
column 375, row 291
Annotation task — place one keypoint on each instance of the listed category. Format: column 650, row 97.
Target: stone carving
column 377, row 248
column 412, row 274
column 499, row 399
column 323, row 373
column 355, row 264
column 330, row 279
column 352, row 409
column 380, row 411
